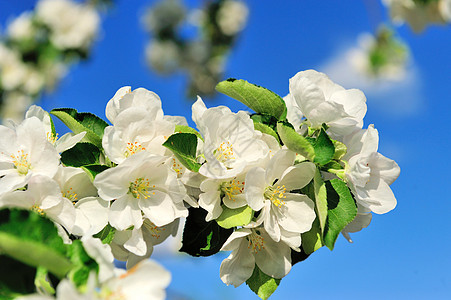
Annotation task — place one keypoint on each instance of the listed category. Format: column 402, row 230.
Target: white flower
column 141, row 185
column 231, row 143
column 14, row 106
column 228, row 191
column 72, row 25
column 268, row 190
column 101, row 253
column 252, row 247
column 21, row 27
column 91, row 211
column 136, row 245
column 362, row 220
column 24, row 152
column 43, row 196
column 323, row 101
column 369, row 173
column 61, row 144
column 140, row 98
column 13, row 72
column 232, row 17
column 134, row 131
column 419, row 13
column 146, row 280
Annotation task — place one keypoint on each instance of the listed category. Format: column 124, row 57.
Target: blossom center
column 52, row 137
column 276, row 195
column 256, row 242
column 140, row 188
column 224, row 152
column 133, row 148
column 232, row 188
column 38, row 210
column 71, row 195
column 21, row 162
column 155, row 231
column 178, row 168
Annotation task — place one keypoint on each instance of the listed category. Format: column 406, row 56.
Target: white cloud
column 397, row 97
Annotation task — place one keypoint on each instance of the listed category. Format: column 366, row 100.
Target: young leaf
column 342, row 209
column 257, row 98
column 187, row 129
column 184, row 146
column 230, row 218
column 311, row 240
column 340, row 149
column 83, row 264
column 94, row 170
column 320, row 199
column 106, row 235
column 262, row 284
column 201, row 238
column 266, row 129
column 79, row 122
column 294, row 141
column 265, row 119
column 81, row 154
column 324, row 148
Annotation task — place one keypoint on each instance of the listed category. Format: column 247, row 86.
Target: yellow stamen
column 232, row 188
column 133, row 148
column 224, row 152
column 20, row 162
column 256, row 242
column 276, row 195
column 140, row 188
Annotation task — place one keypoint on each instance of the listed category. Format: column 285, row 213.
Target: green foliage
column 81, row 154
column 33, row 240
column 257, row 98
column 320, row 198
column 83, row 264
column 342, row 209
column 266, row 129
column 94, row 170
column 312, row 239
column 231, row 218
column 262, row 284
column 323, row 147
column 79, row 122
column 16, row 278
column 187, row 129
column 184, row 146
column 294, row 141
column 201, row 238
column 340, row 150
column 106, row 235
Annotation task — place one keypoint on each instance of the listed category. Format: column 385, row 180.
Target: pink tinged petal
column 298, row 176
column 235, row 239
column 297, row 214
column 254, row 188
column 274, row 259
column 158, row 208
column 136, row 244
column 124, row 213
column 380, row 197
column 239, row 266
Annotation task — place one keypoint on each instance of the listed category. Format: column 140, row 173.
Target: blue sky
column 403, row 254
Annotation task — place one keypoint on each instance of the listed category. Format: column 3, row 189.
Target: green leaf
column 340, row 149
column 79, row 122
column 342, row 209
column 41, row 282
column 266, row 129
column 201, row 238
column 320, row 200
column 311, row 240
column 257, row 98
column 33, row 240
column 324, row 148
column 262, row 284
column 294, row 141
column 265, row 119
column 16, row 278
column 230, row 218
column 184, row 146
column 187, row 129
column 94, row 170
column 82, row 263
column 106, row 235
column 81, row 154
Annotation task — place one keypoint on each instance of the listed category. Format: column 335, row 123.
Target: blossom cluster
column 419, row 13
column 272, row 187
column 38, row 46
column 217, row 25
